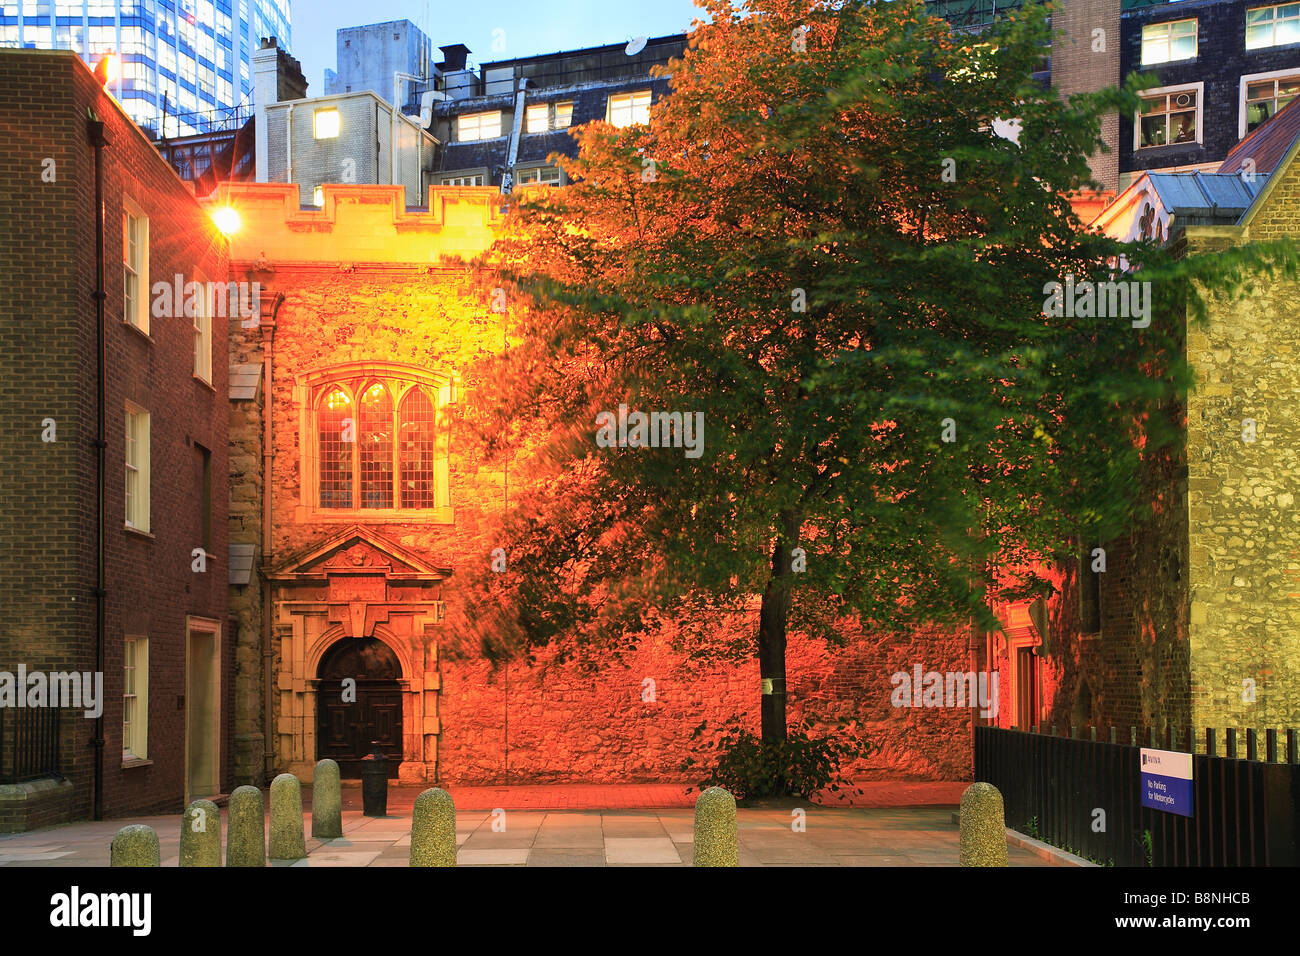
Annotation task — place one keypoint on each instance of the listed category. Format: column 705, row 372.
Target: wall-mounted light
column 108, row 69
column 227, row 219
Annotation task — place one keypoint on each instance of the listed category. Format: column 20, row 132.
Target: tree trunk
column 772, row 620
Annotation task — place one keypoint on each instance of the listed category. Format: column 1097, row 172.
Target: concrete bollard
column 433, row 829
column 287, row 841
column 201, row 834
column 983, row 827
column 246, row 830
column 326, row 801
column 135, row 845
column 715, row 829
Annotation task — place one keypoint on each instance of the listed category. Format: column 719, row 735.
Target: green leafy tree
column 820, row 244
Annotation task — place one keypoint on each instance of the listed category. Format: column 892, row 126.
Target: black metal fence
column 29, row 743
column 1085, row 795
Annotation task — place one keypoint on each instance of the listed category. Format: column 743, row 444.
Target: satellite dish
column 635, row 46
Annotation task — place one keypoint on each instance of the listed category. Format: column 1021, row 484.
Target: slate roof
column 1268, row 143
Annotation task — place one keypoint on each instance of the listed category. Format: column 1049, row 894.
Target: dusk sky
column 530, row 27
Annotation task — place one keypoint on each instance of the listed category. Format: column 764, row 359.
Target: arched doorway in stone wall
column 349, row 717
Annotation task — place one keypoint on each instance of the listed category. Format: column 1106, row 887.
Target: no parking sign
column 1166, row 781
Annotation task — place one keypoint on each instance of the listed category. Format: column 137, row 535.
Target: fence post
column 201, row 834
column 1292, row 756
column 1210, row 749
column 716, row 843
column 433, row 829
column 1092, row 734
column 135, row 845
column 983, row 840
column 1230, row 741
column 1270, row 744
column 1252, row 744
column 287, row 841
column 1132, row 736
column 1114, row 734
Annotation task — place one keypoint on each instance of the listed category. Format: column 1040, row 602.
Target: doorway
column 358, row 701
column 202, row 709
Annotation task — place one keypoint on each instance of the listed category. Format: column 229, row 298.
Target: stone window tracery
column 377, row 441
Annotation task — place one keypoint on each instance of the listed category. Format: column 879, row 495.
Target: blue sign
column 1166, row 781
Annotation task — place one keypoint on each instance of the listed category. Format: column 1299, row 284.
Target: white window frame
column 615, row 107
column 1199, row 88
column 551, row 119
column 1164, row 33
column 135, row 698
column 1272, row 22
column 1275, row 76
column 522, row 170
column 477, row 127
column 330, row 128
column 135, row 263
column 136, row 461
column 531, row 112
column 458, row 179
column 203, row 334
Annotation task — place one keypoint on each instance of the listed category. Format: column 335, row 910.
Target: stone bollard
column 287, row 842
column 326, row 801
column 246, row 831
column 433, row 829
column 201, row 834
column 983, row 827
column 715, row 829
column 135, row 845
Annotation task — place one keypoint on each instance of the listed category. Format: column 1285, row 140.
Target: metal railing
column 1246, row 807
column 29, row 743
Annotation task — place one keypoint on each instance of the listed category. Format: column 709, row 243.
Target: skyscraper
column 187, row 59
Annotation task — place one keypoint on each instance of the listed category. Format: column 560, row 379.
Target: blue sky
column 531, row 26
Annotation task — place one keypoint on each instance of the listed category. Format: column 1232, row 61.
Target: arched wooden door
column 348, row 719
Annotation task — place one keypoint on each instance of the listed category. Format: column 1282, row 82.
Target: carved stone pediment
column 361, row 552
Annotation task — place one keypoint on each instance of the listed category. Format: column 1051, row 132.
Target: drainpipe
column 98, row 141
column 268, row 475
column 508, row 180
column 288, row 148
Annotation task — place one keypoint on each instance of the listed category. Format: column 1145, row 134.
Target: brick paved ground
column 612, row 835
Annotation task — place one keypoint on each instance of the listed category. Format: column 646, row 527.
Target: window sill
column 137, row 531
column 138, row 331
column 205, row 383
column 1167, row 148
column 130, row 763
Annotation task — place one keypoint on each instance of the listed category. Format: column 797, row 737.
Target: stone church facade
column 345, row 546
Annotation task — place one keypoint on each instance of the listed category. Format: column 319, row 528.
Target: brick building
column 161, row 643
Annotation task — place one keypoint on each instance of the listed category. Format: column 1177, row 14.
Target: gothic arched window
column 375, row 447
column 377, row 439
column 336, row 431
column 416, row 423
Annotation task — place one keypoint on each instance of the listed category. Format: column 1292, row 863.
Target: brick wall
column 1222, row 60
column 1078, row 66
column 50, row 371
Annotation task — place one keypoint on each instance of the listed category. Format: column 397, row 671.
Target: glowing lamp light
column 227, row 220
column 108, row 69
